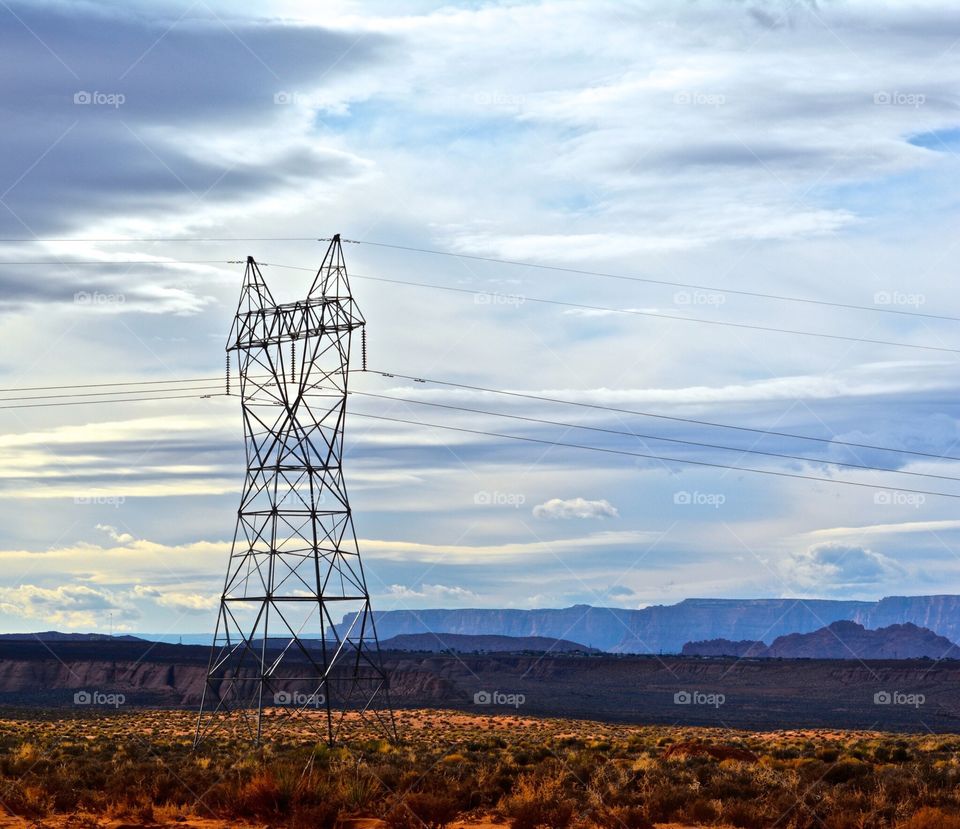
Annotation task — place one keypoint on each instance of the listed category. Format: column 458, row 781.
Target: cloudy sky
column 804, row 149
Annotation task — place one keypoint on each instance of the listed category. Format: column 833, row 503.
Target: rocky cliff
column 596, row 627
column 839, row 640
column 911, row 695
column 941, row 614
column 656, row 629
column 849, row 640
column 666, row 628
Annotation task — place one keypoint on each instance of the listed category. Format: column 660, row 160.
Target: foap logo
column 499, row 100
column 98, row 698
column 498, row 698
column 302, row 500
column 899, row 298
column 102, row 99
column 899, row 99
column 698, row 698
column 293, row 98
column 701, row 298
column 484, row 498
column 898, row 698
column 98, row 298
column 100, row 500
column 493, row 298
column 685, row 498
column 697, row 98
column 896, row 498
column 299, row 699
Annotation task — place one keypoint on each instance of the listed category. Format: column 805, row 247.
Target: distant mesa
column 463, row 643
column 838, row 640
column 849, row 640
column 58, row 636
column 663, row 629
column 415, row 642
column 897, row 627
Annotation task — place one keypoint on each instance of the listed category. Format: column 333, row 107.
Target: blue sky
column 782, row 147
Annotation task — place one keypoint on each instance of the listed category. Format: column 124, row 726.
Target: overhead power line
column 539, row 300
column 639, row 436
column 112, row 393
column 649, row 281
column 111, row 401
column 711, row 464
column 177, row 386
column 500, row 261
column 70, row 262
column 118, row 239
column 649, row 456
column 674, row 418
column 637, row 312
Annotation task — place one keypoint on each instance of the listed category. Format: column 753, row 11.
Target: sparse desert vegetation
column 455, row 769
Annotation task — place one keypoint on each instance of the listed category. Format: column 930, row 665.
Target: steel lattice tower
column 281, row 656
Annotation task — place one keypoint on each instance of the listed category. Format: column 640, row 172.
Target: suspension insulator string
column 228, row 372
column 363, row 348
column 293, row 361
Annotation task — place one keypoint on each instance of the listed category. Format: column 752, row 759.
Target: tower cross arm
column 277, row 324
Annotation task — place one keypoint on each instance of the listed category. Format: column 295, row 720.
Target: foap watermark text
column 699, row 698
column 498, row 698
column 99, row 698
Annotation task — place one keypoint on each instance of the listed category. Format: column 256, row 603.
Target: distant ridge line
column 667, row 628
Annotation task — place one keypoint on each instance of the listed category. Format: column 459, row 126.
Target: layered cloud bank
column 777, row 148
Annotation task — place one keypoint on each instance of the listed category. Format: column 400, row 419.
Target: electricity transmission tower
column 295, row 646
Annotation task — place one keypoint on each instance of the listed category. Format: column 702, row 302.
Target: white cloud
column 133, row 562
column 575, row 508
column 600, row 312
column 73, row 605
column 932, row 527
column 193, row 603
column 114, row 534
column 439, row 591
column 470, row 554
column 834, row 566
